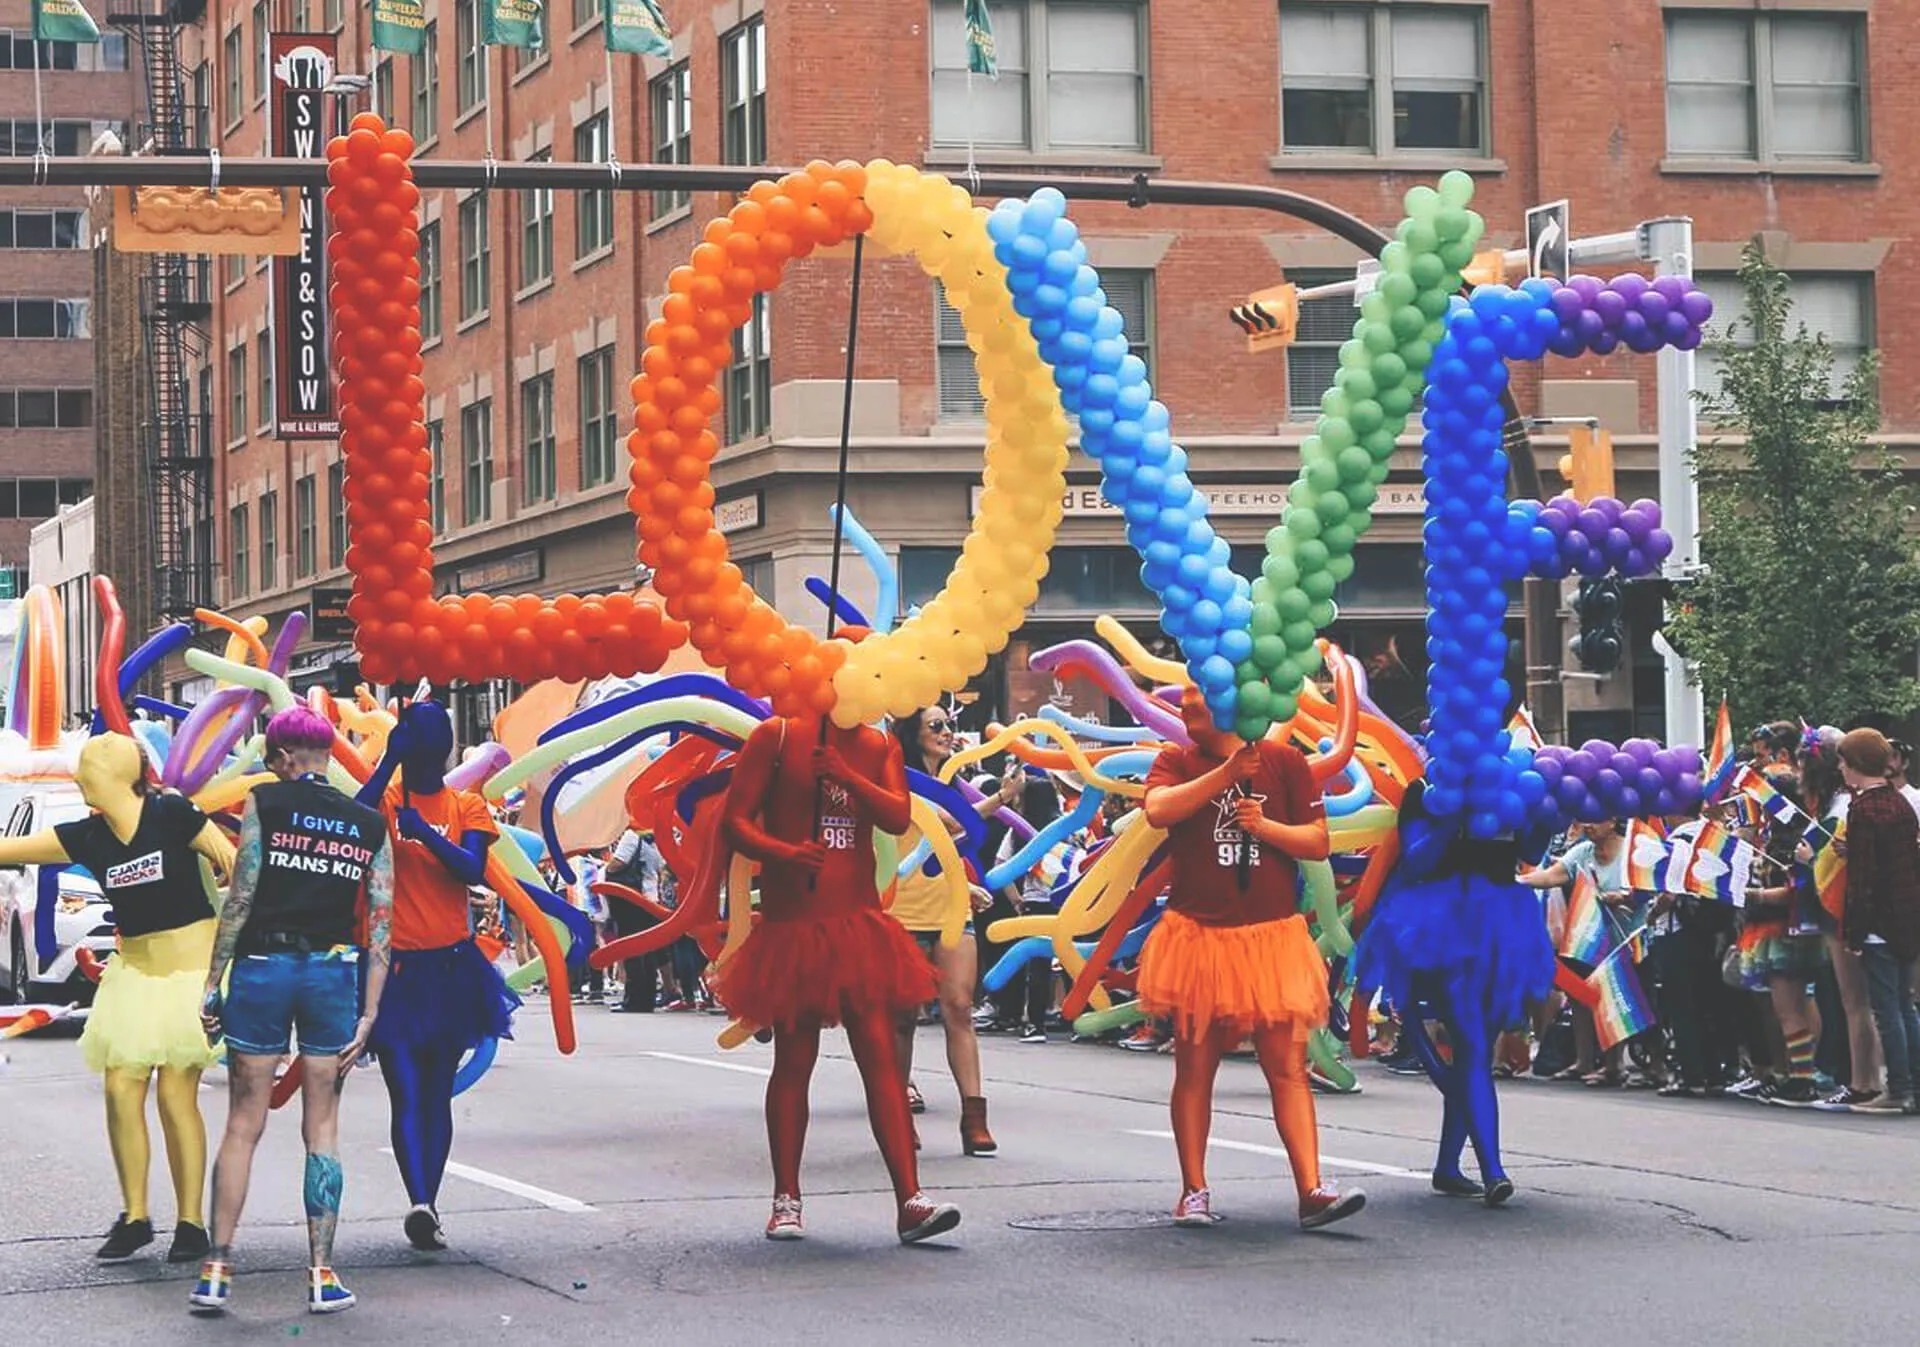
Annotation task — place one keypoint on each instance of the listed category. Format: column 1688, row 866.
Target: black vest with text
column 316, row 850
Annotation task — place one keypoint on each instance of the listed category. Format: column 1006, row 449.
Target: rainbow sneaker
column 325, row 1294
column 210, row 1293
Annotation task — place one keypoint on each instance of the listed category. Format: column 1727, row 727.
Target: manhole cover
column 1094, row 1220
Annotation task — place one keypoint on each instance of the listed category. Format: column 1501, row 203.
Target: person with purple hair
column 287, row 949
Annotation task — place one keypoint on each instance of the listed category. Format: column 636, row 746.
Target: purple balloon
column 1606, row 785
column 1623, row 764
column 1568, row 304
column 1665, row 802
column 1606, row 344
column 1659, row 546
column 1572, row 794
column 1572, row 546
column 1589, row 327
column 1629, row 287
column 1674, row 327
column 1580, row 765
column 1611, row 307
column 1554, row 522
column 1689, row 760
column 1566, row 342
column 1636, row 526
column 1601, row 749
column 1648, row 782
column 1564, row 504
column 1594, row 523
column 1649, row 508
column 1640, row 750
column 1592, row 563
column 1629, row 802
column 1697, row 305
column 1587, row 287
column 1654, row 306
column 1610, row 507
column 1633, row 329
column 1549, row 771
column 1616, row 543
column 1667, row 763
column 1672, row 288
column 1686, row 792
column 1635, row 563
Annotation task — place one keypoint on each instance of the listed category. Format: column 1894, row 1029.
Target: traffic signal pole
column 1669, row 243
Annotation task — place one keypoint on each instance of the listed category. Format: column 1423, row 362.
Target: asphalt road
column 619, row 1195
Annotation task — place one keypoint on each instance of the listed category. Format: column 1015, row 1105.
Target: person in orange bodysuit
column 1232, row 957
column 824, row 953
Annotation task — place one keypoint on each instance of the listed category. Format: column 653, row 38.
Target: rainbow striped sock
column 1800, row 1056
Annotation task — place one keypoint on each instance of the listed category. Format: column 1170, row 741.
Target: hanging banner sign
column 302, row 65
column 510, row 23
column 400, row 25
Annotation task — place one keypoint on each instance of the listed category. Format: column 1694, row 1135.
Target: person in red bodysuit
column 824, row 953
column 1232, row 956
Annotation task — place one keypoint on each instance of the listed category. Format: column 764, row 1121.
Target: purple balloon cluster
column 1631, row 311
column 1599, row 538
column 1635, row 780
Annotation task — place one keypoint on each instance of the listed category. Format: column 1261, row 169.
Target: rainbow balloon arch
column 1047, row 345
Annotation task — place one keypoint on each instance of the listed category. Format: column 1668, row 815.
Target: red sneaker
column 923, row 1218
column 785, row 1221
column 1194, row 1208
column 1324, row 1206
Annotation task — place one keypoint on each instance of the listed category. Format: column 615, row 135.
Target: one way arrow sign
column 1549, row 240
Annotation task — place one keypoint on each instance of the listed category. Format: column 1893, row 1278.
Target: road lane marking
column 1330, row 1161
column 741, row 1067
column 545, row 1197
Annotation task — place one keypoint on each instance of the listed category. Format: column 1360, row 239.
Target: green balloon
column 1262, row 593
column 1456, row 253
column 1285, row 707
column 1378, row 337
column 1290, row 606
column 1476, row 228
column 1382, row 469
column 1322, row 615
column 1335, row 432
column 1399, row 288
column 1341, row 569
column 1453, row 222
column 1318, row 585
column 1389, row 369
column 1420, row 237
column 1408, row 323
column 1428, row 272
column 1312, row 554
column 1338, row 538
column 1415, row 355
column 1395, row 403
column 1361, row 494
column 1280, row 571
column 1266, row 618
column 1252, row 729
column 1456, row 187
column 1368, row 415
column 1268, row 651
column 1378, row 444
column 1433, row 306
column 1352, row 353
column 1300, row 635
column 1357, row 384
column 1309, row 661
column 1331, row 506
column 1254, row 700
column 1302, row 524
column 1397, row 256
column 1354, row 464
column 1320, row 471
column 1333, row 403
column 1422, row 201
column 1374, row 308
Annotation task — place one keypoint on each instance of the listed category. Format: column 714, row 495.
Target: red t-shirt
column 429, row 900
column 786, row 811
column 1206, row 848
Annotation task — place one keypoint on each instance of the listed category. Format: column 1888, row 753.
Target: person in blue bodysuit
column 442, row 996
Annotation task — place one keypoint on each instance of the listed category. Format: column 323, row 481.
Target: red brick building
column 1755, row 118
column 46, row 271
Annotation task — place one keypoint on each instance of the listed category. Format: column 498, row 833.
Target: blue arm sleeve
column 467, row 859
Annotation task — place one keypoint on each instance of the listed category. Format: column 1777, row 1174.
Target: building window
column 1768, row 86
column 1376, row 79
column 476, row 257
column 269, row 541
column 199, row 114
column 1073, row 75
column 470, row 83
column 30, row 229
column 526, row 57
column 62, row 137
column 743, row 86
column 584, row 13
column 262, row 76
column 337, row 520
column 593, row 208
column 476, row 461
column 46, row 408
column 333, row 16
column 599, row 422
column 536, row 231
column 437, row 474
column 263, row 356
column 17, row 52
column 1314, row 356
column 423, row 77
column 239, row 554
column 536, row 428
column 46, row 319
column 671, row 99
column 430, row 282
column 237, row 422
column 383, row 91
column 233, row 64
column 1130, row 292
column 1836, row 307
column 306, row 526
column 750, row 376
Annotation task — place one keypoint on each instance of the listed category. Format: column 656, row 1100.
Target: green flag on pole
column 400, row 25
column 510, row 23
column 63, row 21
column 637, row 27
column 980, row 57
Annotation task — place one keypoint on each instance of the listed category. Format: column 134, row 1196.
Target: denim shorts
column 271, row 997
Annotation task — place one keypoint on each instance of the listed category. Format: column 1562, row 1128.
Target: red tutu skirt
column 1238, row 977
column 822, row 970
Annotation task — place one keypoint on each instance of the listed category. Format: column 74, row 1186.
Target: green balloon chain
column 1383, row 369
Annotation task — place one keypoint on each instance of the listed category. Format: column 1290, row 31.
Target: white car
column 82, row 919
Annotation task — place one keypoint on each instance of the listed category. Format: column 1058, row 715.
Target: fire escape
column 175, row 304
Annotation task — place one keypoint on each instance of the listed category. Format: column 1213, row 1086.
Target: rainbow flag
column 1521, row 731
column 1721, row 865
column 1585, row 938
column 1648, row 857
column 1772, row 803
column 1622, row 1009
column 1720, row 763
column 1830, row 873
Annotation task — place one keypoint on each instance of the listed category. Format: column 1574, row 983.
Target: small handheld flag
column 1585, row 938
column 1720, row 764
column 1622, row 1009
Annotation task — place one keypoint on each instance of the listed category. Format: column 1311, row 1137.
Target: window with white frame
column 263, row 357
column 306, row 528
column 1313, row 357
column 750, row 376
column 262, row 76
column 593, row 208
column 34, row 229
column 476, row 257
column 670, row 99
column 476, row 461
column 536, row 230
column 470, row 79
column 1129, row 291
column 423, row 78
column 1772, row 86
column 336, row 515
column 237, row 422
column 437, row 474
column 233, row 70
column 1073, row 77
column 239, row 552
column 383, row 91
column 430, row 287
column 536, row 425
column 1836, row 306
column 1383, row 79
column 599, row 417
column 743, row 93
column 269, row 540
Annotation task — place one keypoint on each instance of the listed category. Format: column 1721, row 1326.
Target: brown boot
column 975, row 1139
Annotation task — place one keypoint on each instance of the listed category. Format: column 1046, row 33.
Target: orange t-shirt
column 429, row 900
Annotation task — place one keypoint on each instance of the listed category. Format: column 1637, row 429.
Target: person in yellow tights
column 150, row 851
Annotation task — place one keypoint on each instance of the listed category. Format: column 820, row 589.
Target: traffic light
column 1600, row 642
column 1269, row 317
column 1588, row 466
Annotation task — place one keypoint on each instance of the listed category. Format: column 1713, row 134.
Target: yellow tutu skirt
column 1238, row 977
column 146, row 1011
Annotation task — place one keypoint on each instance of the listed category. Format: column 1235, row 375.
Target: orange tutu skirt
column 822, row 970
column 1239, row 977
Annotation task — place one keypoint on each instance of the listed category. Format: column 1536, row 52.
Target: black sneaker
column 1789, row 1094
column 190, row 1244
column 1033, row 1033
column 1499, row 1193
column 126, row 1239
column 1457, row 1185
column 423, row 1230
